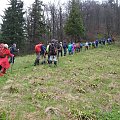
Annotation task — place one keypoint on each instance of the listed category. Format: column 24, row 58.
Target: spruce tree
column 74, row 26
column 13, row 23
column 36, row 22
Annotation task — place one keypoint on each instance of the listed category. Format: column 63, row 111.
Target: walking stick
column 12, row 63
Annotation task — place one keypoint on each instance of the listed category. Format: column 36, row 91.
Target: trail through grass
column 85, row 86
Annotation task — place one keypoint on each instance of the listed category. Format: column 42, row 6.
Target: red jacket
column 7, row 52
column 38, row 48
column 4, row 62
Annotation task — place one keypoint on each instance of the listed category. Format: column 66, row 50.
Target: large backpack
column 52, row 49
column 2, row 55
column 43, row 49
column 59, row 46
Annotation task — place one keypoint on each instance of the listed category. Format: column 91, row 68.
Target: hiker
column 77, row 47
column 4, row 59
column 59, row 48
column 109, row 41
column 65, row 46
column 86, row 46
column 96, row 43
column 103, row 41
column 70, row 48
column 13, row 50
column 53, row 54
column 89, row 43
column 43, row 54
column 73, row 47
column 37, row 51
column 100, row 41
column 93, row 44
column 81, row 46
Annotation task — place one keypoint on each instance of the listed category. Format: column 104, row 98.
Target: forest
column 74, row 21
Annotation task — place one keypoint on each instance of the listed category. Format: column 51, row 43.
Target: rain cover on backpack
column 1, row 50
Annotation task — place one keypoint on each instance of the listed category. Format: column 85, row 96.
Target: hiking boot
column 50, row 63
column 36, row 62
column 55, row 63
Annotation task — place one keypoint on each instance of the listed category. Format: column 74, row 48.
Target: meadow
column 84, row 86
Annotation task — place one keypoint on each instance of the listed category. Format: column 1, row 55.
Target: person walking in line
column 43, row 54
column 59, row 48
column 13, row 50
column 65, row 46
column 4, row 58
column 86, row 46
column 70, row 48
column 53, row 54
column 96, row 43
column 37, row 51
column 81, row 46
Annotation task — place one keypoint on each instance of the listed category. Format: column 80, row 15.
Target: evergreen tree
column 36, row 22
column 13, row 23
column 74, row 26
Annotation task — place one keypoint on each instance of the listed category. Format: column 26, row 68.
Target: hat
column 6, row 46
column 14, row 44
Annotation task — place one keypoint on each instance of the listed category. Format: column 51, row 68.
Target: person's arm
column 9, row 54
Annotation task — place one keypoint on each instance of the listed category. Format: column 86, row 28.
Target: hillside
column 85, row 86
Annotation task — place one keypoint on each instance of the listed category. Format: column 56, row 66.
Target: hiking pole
column 12, row 63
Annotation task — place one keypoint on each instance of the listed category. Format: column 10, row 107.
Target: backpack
column 64, row 45
column 52, row 49
column 1, row 51
column 59, row 47
column 43, row 49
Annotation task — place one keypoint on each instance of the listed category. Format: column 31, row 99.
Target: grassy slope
column 84, row 86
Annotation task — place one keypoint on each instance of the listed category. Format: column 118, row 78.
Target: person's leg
column 61, row 53
column 45, row 59
column 72, row 52
column 48, row 58
column 3, row 70
column 37, row 59
column 58, row 53
column 64, row 52
column 55, row 60
column 51, row 59
column 13, row 59
column 69, row 52
column 10, row 61
column 81, row 48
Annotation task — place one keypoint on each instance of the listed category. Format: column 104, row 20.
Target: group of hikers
column 50, row 53
column 47, row 54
